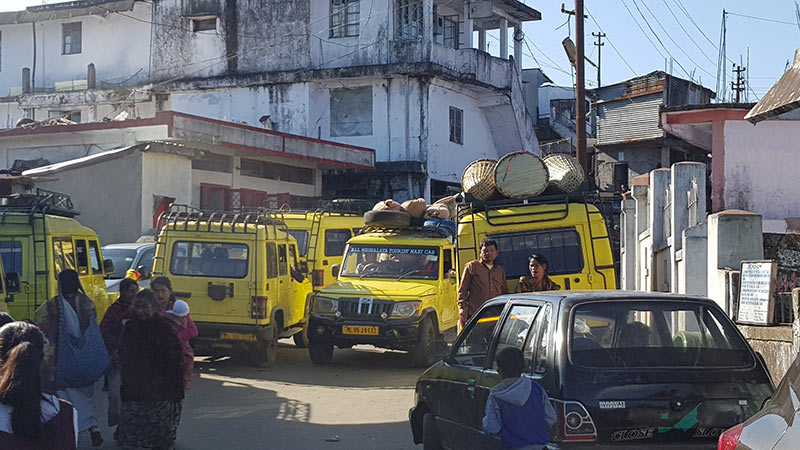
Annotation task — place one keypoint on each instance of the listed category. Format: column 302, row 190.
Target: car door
column 285, row 290
column 12, row 251
column 456, row 417
column 96, row 274
column 448, row 292
column 519, row 329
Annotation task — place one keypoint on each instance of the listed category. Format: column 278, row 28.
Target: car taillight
column 318, row 277
column 574, row 422
column 730, row 438
column 258, row 307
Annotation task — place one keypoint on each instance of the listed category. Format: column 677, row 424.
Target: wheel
column 421, row 355
column 387, row 218
column 301, row 338
column 430, row 434
column 320, row 352
column 265, row 354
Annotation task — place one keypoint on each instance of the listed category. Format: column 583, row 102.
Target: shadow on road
column 362, row 367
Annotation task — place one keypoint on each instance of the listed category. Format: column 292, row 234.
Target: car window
column 11, row 252
column 535, row 350
column 122, row 259
column 212, row 259
column 655, row 334
column 447, row 261
column 562, row 248
column 301, row 236
column 515, row 329
column 147, row 258
column 282, row 260
column 63, row 254
column 272, row 260
column 94, row 257
column 82, row 256
column 335, row 241
column 474, row 346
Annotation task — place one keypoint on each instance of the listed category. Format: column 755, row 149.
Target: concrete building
column 122, row 174
column 628, row 133
column 409, row 78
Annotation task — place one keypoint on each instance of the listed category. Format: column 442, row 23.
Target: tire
column 387, row 218
column 265, row 354
column 430, row 434
column 301, row 338
column 320, row 353
column 421, row 355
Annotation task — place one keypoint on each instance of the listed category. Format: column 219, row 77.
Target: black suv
column 621, row 368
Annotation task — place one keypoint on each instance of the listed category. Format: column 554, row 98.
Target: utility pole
column 580, row 87
column 738, row 86
column 599, row 44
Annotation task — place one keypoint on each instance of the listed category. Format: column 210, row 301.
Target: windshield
column 655, row 334
column 374, row 261
column 301, row 236
column 122, row 258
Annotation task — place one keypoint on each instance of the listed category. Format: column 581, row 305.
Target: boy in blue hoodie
column 518, row 408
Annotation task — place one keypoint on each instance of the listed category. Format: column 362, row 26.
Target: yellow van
column 39, row 237
column 396, row 289
column 567, row 230
column 240, row 275
column 321, row 238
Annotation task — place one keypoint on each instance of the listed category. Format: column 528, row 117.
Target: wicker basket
column 477, row 179
column 520, row 175
column 566, row 175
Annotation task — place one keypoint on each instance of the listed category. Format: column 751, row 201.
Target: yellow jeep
column 569, row 230
column 240, row 275
column 396, row 289
column 39, row 237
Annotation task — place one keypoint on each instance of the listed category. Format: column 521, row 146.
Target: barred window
column 409, row 19
column 345, row 16
column 456, row 125
column 71, row 38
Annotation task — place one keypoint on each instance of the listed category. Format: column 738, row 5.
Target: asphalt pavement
column 360, row 401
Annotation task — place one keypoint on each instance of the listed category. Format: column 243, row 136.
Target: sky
column 691, row 44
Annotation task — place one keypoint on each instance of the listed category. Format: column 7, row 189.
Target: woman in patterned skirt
column 151, row 364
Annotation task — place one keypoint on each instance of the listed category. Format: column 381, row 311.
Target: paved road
column 361, row 401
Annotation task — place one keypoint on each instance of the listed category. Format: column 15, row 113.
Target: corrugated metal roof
column 783, row 97
column 630, row 120
column 66, row 10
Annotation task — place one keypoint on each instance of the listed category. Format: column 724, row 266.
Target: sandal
column 97, row 438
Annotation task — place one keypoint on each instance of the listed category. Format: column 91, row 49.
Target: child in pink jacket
column 187, row 330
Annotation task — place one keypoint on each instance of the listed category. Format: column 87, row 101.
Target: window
column 272, row 260
column 282, row 260
column 351, row 111
column 216, row 198
column 344, row 18
column 272, row 171
column 11, row 252
column 204, row 24
column 301, row 236
column 71, row 38
column 74, row 116
column 445, row 30
column 535, row 350
column 82, row 256
column 408, row 24
column 63, row 254
column 1, row 50
column 394, row 262
column 447, row 261
column 515, row 329
column 122, row 260
column 147, row 258
column 94, row 257
column 456, row 125
column 655, row 334
column 562, row 248
column 213, row 162
column 293, row 256
column 209, row 259
column 472, row 349
column 335, row 241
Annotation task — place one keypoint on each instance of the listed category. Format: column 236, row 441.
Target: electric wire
column 659, row 39
column 612, row 43
column 762, row 18
column 687, row 33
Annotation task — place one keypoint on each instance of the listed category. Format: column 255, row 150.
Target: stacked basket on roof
column 521, row 175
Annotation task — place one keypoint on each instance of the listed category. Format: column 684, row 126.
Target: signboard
column 756, row 292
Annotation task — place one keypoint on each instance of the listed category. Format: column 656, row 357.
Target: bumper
column 711, row 445
column 396, row 334
column 228, row 335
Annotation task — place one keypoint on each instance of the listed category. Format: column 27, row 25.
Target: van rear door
column 214, row 277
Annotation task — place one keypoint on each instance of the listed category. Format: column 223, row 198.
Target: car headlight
column 406, row 309
column 325, row 305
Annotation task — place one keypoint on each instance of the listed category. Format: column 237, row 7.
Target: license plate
column 360, row 330
column 238, row 336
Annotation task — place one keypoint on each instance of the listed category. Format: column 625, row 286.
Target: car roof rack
column 433, row 231
column 179, row 217
column 40, row 201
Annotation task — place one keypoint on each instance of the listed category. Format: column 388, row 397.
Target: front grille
column 354, row 307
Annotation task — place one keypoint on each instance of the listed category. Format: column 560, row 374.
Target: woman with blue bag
column 81, row 357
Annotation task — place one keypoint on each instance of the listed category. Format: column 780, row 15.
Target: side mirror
column 335, row 270
column 438, row 349
column 304, row 267
column 451, row 275
column 108, row 267
column 12, row 283
column 145, row 272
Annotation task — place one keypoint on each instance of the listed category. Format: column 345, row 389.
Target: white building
column 408, row 78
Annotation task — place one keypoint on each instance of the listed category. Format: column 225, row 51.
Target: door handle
column 471, row 388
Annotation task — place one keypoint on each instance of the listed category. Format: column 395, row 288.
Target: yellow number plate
column 360, row 330
column 238, row 336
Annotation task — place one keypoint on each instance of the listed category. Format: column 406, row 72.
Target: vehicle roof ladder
column 38, row 221
column 311, row 252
